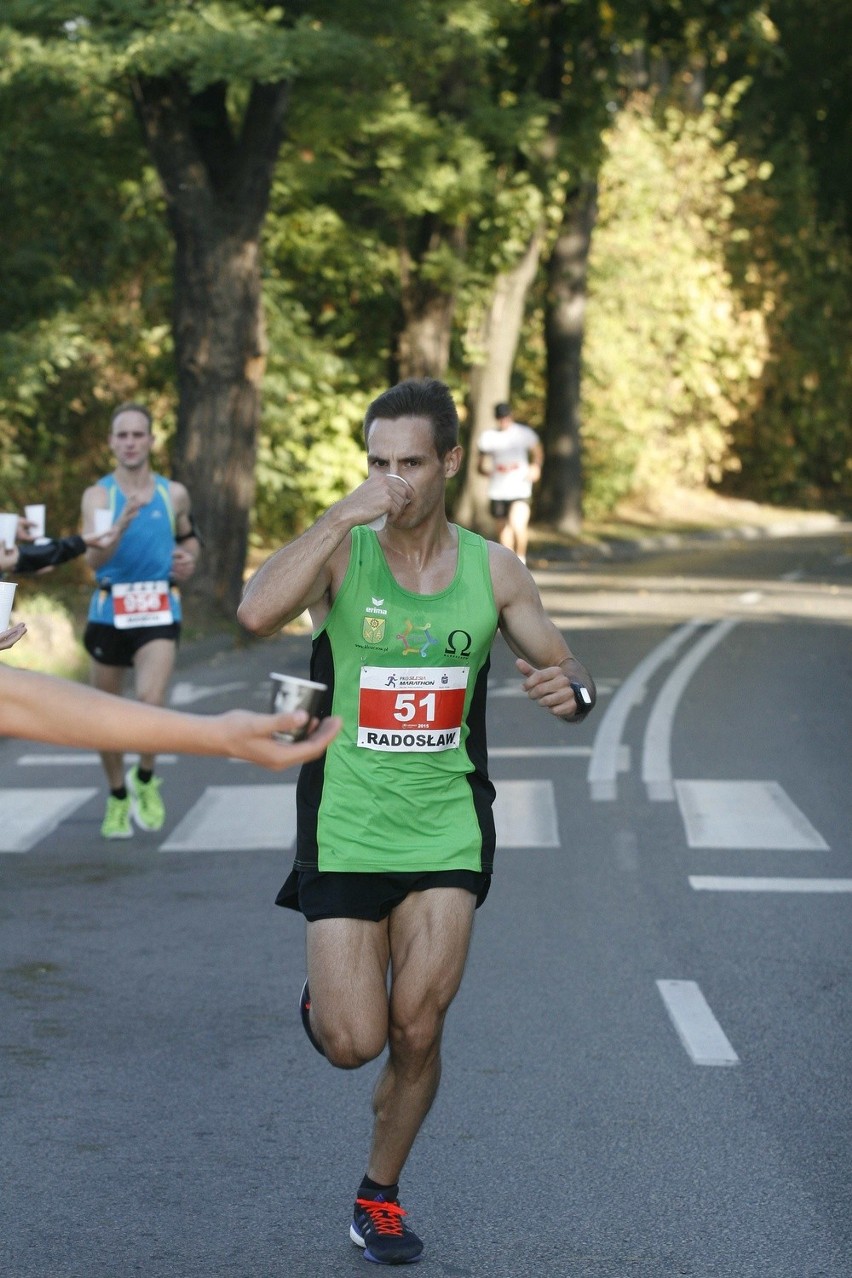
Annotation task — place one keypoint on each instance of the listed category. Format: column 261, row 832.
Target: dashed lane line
column 751, row 883
column 703, row 1038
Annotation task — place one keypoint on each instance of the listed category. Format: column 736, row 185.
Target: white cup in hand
column 35, row 516
column 9, row 530
column 7, row 598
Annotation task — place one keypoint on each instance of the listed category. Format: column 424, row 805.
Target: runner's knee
column 349, row 1047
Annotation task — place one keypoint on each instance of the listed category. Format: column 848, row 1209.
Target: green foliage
column 672, row 354
column 51, row 644
column 428, row 141
column 794, row 445
column 310, row 452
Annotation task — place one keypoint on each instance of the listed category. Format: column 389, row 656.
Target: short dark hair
column 132, row 408
column 502, row 410
column 419, row 397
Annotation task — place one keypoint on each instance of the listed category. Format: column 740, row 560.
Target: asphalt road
column 647, row 1070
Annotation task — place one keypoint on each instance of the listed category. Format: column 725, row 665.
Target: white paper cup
column 7, row 598
column 378, row 524
column 8, row 530
column 35, row 516
column 290, row 693
column 103, row 521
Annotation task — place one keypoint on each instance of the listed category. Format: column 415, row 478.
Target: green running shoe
column 146, row 806
column 116, row 822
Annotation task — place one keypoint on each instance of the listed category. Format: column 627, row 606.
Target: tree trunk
column 219, row 343
column 560, row 496
column 490, row 379
column 217, row 191
column 428, row 302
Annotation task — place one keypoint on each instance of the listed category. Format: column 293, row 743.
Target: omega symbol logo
column 459, row 644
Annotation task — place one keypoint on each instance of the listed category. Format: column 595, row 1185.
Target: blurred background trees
column 630, row 218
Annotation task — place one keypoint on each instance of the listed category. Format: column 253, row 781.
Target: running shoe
column 146, row 806
column 304, row 1012
column 116, row 823
column 377, row 1227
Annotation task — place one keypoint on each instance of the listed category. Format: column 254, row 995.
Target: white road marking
column 536, row 752
column 237, row 818
column 745, row 814
column 656, row 752
column 77, row 758
column 184, row 694
column 27, row 816
column 697, row 1028
column 525, row 815
column 607, row 754
column 743, row 883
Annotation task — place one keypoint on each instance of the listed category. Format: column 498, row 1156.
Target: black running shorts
column 320, row 894
column 112, row 647
column 500, row 509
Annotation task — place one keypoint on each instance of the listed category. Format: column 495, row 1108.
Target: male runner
column 511, row 455
column 395, row 832
column 135, row 612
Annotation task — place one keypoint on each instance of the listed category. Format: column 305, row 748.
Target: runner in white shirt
column 511, row 455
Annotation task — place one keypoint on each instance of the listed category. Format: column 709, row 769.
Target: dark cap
column 502, row 410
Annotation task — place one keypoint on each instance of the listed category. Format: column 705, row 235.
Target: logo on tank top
column 416, row 640
column 373, row 625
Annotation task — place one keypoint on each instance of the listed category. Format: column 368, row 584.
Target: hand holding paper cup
column 289, row 694
column 7, row 598
column 9, row 530
column 35, row 516
column 103, row 520
column 378, row 524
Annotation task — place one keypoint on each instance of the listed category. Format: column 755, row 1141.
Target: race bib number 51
column 411, row 709
column 141, row 603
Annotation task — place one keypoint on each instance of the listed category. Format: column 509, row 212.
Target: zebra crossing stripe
column 237, row 818
column 26, row 816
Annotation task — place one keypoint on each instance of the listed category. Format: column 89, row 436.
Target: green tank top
column 404, row 787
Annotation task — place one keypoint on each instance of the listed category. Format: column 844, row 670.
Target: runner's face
column 406, row 447
column 131, row 440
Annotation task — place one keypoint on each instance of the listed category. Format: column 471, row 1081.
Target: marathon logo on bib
column 411, row 710
column 141, row 603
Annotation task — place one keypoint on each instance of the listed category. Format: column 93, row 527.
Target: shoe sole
column 110, row 837
column 359, row 1242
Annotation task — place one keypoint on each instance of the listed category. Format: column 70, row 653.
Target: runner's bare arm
column 44, row 708
column 544, row 658
column 188, row 547
column 95, row 498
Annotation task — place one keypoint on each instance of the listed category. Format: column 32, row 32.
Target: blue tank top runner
column 144, row 553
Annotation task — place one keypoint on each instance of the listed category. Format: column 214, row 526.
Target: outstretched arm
column 544, row 659
column 44, row 708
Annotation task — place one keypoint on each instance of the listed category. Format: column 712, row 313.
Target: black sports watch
column 583, row 698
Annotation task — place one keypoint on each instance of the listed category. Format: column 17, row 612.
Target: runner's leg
column 153, row 665
column 505, row 535
column 109, row 679
column 519, row 522
column 347, row 974
column 429, row 939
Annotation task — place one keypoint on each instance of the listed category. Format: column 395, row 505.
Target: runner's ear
column 453, row 461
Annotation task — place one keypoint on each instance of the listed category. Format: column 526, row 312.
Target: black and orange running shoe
column 377, row 1226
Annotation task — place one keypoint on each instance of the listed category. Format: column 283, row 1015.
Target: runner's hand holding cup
column 378, row 524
